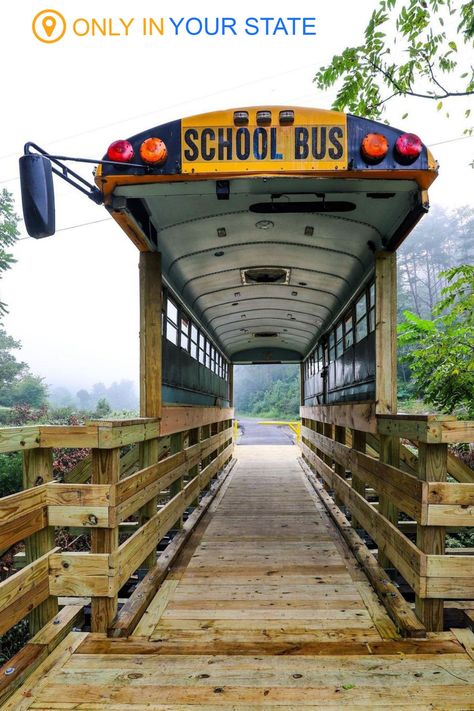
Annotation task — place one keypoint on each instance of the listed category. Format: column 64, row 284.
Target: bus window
column 361, row 318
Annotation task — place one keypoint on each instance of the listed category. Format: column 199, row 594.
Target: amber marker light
column 374, row 147
column 153, row 151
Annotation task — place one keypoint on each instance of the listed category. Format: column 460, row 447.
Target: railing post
column 432, row 466
column 150, row 334
column 389, row 453
column 37, row 470
column 359, row 442
column 176, row 445
column 105, row 470
column 149, row 453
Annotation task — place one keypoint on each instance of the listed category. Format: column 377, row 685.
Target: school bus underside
column 280, row 255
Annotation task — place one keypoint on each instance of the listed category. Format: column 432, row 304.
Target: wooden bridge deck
column 266, row 607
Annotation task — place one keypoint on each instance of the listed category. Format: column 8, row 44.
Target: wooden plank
column 85, row 505
column 135, row 606
column 409, row 560
column 82, row 436
column 432, row 466
column 389, row 453
column 86, row 574
column 38, row 471
column 81, row 473
column 466, row 638
column 14, row 672
column 359, row 416
column 15, row 439
column 155, row 609
column 177, row 418
column 21, row 515
column 385, row 332
column 110, row 438
column 59, row 627
column 394, row 602
column 22, row 699
column 105, row 470
column 23, row 591
column 131, row 553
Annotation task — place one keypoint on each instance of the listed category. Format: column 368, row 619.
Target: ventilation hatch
column 265, row 275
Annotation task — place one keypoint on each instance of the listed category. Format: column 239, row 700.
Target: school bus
column 268, row 221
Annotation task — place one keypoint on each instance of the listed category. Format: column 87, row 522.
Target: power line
column 74, row 227
column 450, row 140
column 172, row 106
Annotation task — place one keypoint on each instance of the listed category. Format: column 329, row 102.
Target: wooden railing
column 174, row 460
column 361, row 462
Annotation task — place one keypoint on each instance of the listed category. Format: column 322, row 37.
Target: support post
column 432, row 466
column 105, row 470
column 389, row 453
column 149, row 454
column 150, row 334
column 359, row 442
column 339, row 436
column 176, row 445
column 386, row 333
column 37, row 470
column 386, row 365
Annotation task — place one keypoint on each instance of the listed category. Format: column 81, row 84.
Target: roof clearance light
column 264, row 118
column 153, row 151
column 408, row 148
column 241, row 118
column 287, row 117
column 374, row 147
column 120, row 151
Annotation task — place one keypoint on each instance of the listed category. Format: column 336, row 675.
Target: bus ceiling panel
column 293, row 314
column 294, row 342
column 299, row 276
column 254, row 355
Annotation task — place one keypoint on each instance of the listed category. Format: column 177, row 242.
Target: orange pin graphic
column 49, row 24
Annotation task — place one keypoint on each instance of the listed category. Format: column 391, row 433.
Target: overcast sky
column 73, row 297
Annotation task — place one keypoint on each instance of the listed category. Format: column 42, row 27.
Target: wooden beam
column 105, row 470
column 358, row 415
column 432, row 466
column 395, row 604
column 389, row 453
column 386, row 332
column 359, row 444
column 177, row 418
column 37, row 471
column 149, row 454
column 150, row 334
column 132, row 611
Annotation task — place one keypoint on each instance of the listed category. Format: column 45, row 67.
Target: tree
column 102, row 409
column 29, row 390
column 10, row 368
column 413, row 49
column 8, row 236
column 441, row 358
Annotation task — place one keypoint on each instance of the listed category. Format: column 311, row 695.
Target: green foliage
column 8, row 236
column 103, row 408
column 441, row 351
column 10, row 368
column 409, row 49
column 30, row 389
column 267, row 391
column 11, row 475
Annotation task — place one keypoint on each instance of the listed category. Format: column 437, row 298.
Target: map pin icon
column 49, row 24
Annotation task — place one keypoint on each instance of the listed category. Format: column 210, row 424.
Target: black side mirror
column 37, row 195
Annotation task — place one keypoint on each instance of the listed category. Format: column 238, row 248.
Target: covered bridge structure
column 217, row 575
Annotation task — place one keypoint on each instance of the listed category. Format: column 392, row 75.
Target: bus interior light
column 153, row 151
column 120, row 151
column 408, row 148
column 264, row 118
column 287, row 117
column 241, row 118
column 374, row 147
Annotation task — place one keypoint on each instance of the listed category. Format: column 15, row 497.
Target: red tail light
column 407, row 148
column 120, row 151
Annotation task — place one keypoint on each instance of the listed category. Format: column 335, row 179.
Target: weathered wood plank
column 357, row 416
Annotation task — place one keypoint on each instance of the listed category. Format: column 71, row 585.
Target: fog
column 73, row 298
